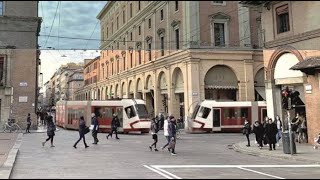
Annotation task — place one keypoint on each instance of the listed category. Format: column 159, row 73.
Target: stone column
column 192, row 94
column 249, row 79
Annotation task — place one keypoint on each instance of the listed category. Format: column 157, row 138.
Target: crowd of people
column 269, row 131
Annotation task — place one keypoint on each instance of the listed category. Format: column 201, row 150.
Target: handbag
column 86, row 130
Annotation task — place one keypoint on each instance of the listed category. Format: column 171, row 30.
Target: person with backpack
column 51, row 127
column 172, row 129
column 82, row 131
column 115, row 123
column 247, row 131
column 154, row 131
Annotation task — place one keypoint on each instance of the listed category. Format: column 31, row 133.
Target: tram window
column 98, row 112
column 244, row 113
column 142, row 111
column 204, row 112
column 195, row 111
column 130, row 112
column 107, row 112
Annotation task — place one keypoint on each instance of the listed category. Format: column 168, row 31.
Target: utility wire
column 91, row 34
column 52, row 23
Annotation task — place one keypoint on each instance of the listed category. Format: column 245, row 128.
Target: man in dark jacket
column 115, row 123
column 247, row 131
column 172, row 129
column 28, row 123
column 82, row 132
column 259, row 132
column 271, row 132
column 95, row 123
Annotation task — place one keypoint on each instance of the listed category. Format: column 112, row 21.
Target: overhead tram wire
column 55, row 15
column 91, row 34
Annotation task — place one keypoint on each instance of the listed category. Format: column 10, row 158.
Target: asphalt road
column 198, row 156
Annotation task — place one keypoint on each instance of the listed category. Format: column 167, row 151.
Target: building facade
column 19, row 60
column 291, row 57
column 62, row 82
column 174, row 54
column 75, row 82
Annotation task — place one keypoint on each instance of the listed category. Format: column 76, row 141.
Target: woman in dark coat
column 50, row 131
column 259, row 132
column 271, row 132
column 82, row 132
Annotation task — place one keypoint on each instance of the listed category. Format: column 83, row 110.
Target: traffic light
column 285, row 98
column 294, row 97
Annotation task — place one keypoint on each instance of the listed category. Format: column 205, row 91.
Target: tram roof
column 213, row 103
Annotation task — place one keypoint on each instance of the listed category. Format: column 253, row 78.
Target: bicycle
column 10, row 126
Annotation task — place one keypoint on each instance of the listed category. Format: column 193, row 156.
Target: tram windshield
column 195, row 111
column 142, row 111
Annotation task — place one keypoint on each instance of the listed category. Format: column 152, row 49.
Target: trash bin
column 286, row 143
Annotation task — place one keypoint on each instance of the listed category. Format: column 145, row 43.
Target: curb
column 6, row 169
column 237, row 148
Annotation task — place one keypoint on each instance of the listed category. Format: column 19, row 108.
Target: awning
column 220, row 87
column 261, row 91
column 312, row 62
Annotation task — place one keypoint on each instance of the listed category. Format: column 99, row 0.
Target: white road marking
column 237, row 166
column 164, row 171
column 160, row 168
column 277, row 177
column 157, row 171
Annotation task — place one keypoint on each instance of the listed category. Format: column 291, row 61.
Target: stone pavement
column 305, row 152
column 10, row 143
column 130, row 157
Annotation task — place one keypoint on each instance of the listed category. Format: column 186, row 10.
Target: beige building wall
column 158, row 76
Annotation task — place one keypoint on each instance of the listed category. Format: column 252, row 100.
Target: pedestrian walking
column 166, row 132
column 278, row 122
column 161, row 121
column 316, row 142
column 271, row 132
column 83, row 130
column 302, row 130
column 51, row 127
column 28, row 123
column 154, row 131
column 115, row 123
column 259, row 132
column 172, row 129
column 95, row 128
column 246, row 131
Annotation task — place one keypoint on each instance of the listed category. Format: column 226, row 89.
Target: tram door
column 119, row 111
column 216, row 119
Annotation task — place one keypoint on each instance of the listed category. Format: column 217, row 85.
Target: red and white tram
column 132, row 114
column 211, row 116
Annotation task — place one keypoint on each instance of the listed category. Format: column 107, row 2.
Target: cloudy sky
column 74, row 19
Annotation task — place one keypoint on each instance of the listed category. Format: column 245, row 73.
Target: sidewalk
column 41, row 129
column 305, row 152
column 10, row 144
